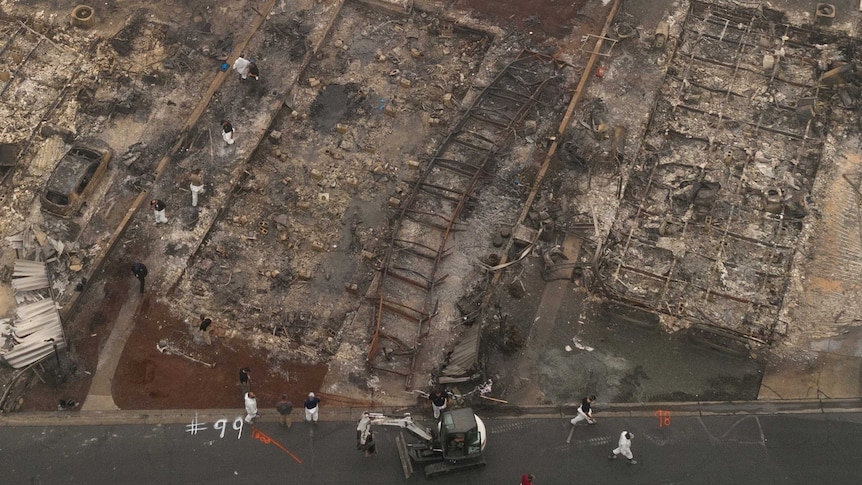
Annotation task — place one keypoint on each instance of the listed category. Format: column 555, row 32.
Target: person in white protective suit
column 250, row 407
column 240, row 65
column 624, row 448
column 227, row 131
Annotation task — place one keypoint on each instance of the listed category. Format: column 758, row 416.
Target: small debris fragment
column 303, row 275
column 581, row 346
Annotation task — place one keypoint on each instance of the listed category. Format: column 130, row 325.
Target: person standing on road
column 245, row 379
column 250, row 407
column 527, row 479
column 624, row 448
column 240, row 65
column 438, row 400
column 159, row 210
column 254, row 71
column 227, row 131
column 204, row 327
column 370, row 447
column 284, row 408
column 585, row 411
column 311, row 408
column 196, row 185
column 140, row 272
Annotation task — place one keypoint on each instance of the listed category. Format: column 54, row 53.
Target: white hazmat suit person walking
column 624, row 448
column 250, row 407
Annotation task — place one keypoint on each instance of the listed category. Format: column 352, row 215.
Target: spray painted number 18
column 663, row 418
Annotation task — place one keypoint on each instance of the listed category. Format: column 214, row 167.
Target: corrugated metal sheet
column 34, row 349
column 24, row 328
column 464, row 358
column 33, row 309
column 37, row 326
column 22, row 240
column 30, row 283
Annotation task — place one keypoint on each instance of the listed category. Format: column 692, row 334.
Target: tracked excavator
column 456, row 444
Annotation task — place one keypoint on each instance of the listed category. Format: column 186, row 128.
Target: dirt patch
column 543, row 18
column 86, row 330
column 824, row 284
column 149, row 379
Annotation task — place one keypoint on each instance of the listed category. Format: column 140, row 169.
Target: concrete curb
column 352, row 414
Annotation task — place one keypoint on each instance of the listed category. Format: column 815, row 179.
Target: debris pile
column 711, row 216
column 307, row 226
column 36, row 331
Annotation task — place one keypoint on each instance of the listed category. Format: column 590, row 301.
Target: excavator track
column 442, row 468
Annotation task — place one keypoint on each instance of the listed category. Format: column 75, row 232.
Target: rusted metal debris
column 706, row 231
column 403, row 297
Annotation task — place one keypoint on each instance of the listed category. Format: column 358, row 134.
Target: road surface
column 737, row 449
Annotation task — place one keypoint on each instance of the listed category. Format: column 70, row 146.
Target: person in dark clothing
column 284, row 408
column 370, row 447
column 140, row 272
column 159, row 211
column 205, row 324
column 311, row 408
column 438, row 400
column 65, row 404
column 253, row 71
column 244, row 379
column 585, row 412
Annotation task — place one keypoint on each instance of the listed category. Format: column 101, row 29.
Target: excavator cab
column 457, row 444
column 461, row 440
column 460, row 437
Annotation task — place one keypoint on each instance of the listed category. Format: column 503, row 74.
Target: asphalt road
column 761, row 449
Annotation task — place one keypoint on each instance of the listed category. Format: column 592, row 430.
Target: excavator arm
column 363, row 429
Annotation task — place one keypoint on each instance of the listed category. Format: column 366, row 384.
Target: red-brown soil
column 551, row 18
column 148, row 379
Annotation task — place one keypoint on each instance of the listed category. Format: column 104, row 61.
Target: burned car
column 75, row 177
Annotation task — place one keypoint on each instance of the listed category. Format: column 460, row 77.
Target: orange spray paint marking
column 265, row 439
column 663, row 418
